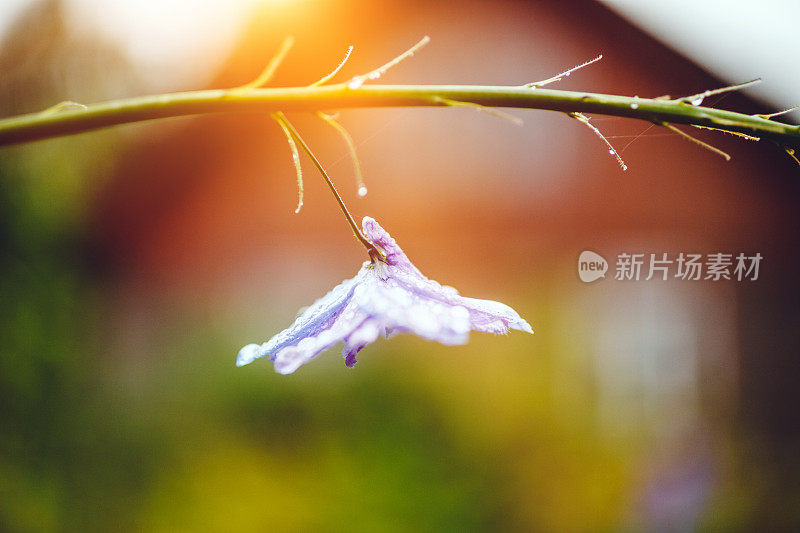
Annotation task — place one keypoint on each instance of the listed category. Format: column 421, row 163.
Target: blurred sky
column 163, row 38
column 737, row 40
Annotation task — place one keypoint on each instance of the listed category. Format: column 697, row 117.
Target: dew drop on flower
column 362, row 191
column 697, row 101
column 356, row 82
column 567, row 74
column 612, row 152
column 635, row 103
column 374, row 75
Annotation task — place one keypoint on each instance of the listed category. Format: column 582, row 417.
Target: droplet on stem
column 697, row 101
column 356, row 82
column 362, row 191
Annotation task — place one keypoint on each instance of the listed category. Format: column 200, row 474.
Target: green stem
column 37, row 126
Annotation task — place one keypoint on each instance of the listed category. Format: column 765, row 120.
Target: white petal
column 314, row 319
column 402, row 311
column 290, row 358
column 248, row 354
column 365, row 334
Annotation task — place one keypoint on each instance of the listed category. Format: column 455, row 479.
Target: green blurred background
column 135, row 262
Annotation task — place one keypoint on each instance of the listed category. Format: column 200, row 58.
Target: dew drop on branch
column 362, row 191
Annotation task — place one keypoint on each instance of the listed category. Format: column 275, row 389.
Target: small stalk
column 374, row 253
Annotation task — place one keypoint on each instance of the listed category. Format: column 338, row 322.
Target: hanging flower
column 388, row 296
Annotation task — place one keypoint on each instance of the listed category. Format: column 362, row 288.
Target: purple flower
column 385, row 298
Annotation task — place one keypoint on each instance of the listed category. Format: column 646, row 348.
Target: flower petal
column 385, row 297
column 315, row 319
column 366, row 333
column 401, row 310
column 290, row 358
column 488, row 316
column 380, row 238
column 485, row 316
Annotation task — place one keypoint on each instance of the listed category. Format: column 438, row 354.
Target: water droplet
column 356, row 82
column 634, row 105
column 374, row 75
column 362, row 191
column 450, row 291
column 698, row 100
column 612, row 152
column 624, row 167
column 567, row 74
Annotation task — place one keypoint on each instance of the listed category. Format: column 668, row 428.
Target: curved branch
column 70, row 121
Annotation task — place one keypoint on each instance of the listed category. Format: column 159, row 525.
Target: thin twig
column 736, row 133
column 791, row 153
column 697, row 99
column 358, row 81
column 583, row 119
column 283, row 122
column 566, row 73
column 696, row 141
column 351, row 147
column 271, row 67
column 482, row 108
column 335, row 71
column 360, row 236
column 63, row 106
column 779, row 113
